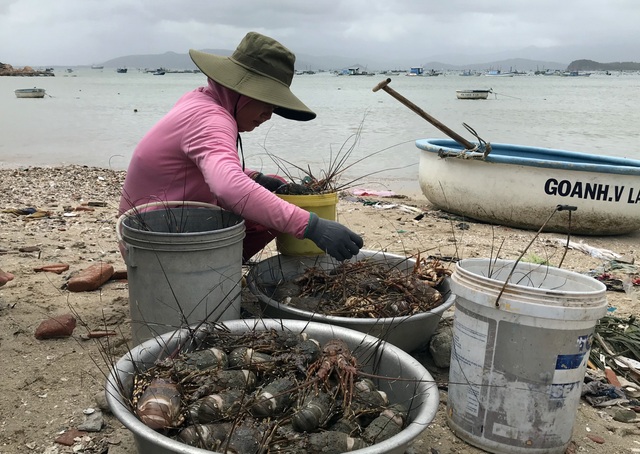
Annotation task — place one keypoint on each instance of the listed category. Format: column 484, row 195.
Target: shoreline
column 402, row 187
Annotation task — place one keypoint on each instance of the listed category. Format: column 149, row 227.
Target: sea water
column 96, row 117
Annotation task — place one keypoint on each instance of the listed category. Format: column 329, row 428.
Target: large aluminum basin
column 409, row 332
column 403, row 378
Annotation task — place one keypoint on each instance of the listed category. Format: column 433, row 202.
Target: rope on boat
column 502, row 94
column 483, row 145
column 462, row 154
column 479, row 151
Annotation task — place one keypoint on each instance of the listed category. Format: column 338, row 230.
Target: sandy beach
column 47, row 385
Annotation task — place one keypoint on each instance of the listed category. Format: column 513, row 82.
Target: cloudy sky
column 81, row 32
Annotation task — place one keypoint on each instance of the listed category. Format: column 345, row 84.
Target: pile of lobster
column 266, row 392
column 365, row 289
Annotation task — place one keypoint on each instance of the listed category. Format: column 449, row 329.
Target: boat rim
column 542, row 157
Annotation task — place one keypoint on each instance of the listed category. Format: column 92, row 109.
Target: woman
column 192, row 153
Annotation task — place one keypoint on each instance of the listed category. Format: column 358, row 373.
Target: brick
column 119, row 274
column 60, row 326
column 90, row 278
column 612, row 378
column 57, row 268
column 69, row 436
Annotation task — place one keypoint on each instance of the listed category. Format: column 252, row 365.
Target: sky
column 83, row 32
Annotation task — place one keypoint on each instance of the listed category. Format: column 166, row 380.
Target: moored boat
column 415, row 71
column 575, row 74
column 521, row 186
column 473, row 94
column 469, row 72
column 498, row 73
column 30, row 92
column 121, row 70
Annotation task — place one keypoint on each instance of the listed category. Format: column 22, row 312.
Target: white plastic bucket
column 184, row 265
column 519, row 353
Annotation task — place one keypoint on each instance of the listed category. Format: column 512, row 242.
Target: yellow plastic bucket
column 324, row 205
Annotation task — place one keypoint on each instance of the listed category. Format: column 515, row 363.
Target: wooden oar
column 384, row 85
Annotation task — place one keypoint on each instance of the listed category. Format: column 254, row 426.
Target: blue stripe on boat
column 541, row 157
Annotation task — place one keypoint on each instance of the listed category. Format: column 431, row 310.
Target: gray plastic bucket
column 519, row 353
column 184, row 265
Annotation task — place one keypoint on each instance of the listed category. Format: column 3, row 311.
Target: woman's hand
column 333, row 238
column 272, row 183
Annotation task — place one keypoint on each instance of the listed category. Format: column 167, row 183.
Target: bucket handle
column 122, row 245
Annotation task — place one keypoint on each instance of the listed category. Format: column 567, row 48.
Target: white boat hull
column 30, row 93
column 472, row 94
column 525, row 192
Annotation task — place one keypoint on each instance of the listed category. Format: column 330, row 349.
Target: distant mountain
column 169, row 60
column 173, row 60
column 511, row 64
column 590, row 65
column 308, row 62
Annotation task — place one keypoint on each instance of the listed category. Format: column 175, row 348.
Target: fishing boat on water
column 473, row 94
column 30, row 92
column 498, row 73
column 521, row 186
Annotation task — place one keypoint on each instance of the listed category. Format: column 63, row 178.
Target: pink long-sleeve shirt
column 191, row 155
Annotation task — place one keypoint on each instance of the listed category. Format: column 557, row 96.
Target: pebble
column 29, row 249
column 572, row 448
column 624, row 415
column 101, row 401
column 440, row 348
column 596, row 439
column 60, row 326
column 93, row 422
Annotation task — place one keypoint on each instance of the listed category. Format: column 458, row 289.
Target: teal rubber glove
column 333, row 238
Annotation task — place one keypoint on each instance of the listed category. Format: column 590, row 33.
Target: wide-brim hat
column 260, row 68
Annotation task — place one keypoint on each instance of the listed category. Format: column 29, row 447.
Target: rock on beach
column 8, row 70
column 91, row 278
column 57, row 268
column 60, row 326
